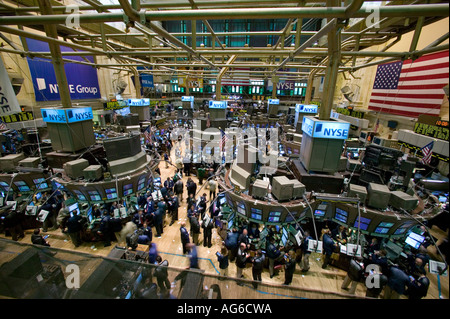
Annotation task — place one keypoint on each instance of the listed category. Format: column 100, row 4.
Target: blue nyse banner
column 303, row 108
column 53, row 115
column 82, row 79
column 138, row 102
column 69, row 115
column 274, row 101
column 218, row 104
column 147, row 80
column 325, row 129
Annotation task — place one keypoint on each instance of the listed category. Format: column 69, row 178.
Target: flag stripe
column 401, row 112
column 411, row 88
column 409, row 95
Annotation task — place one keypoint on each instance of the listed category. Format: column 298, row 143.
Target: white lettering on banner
column 8, row 100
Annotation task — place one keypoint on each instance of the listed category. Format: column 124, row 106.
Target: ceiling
column 260, row 39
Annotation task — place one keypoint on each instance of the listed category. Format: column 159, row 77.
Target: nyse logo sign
column 218, row 104
column 274, row 101
column 187, row 99
column 138, row 102
column 331, row 130
column 302, row 108
column 79, row 114
column 286, row 86
column 325, row 129
column 72, row 115
column 54, row 115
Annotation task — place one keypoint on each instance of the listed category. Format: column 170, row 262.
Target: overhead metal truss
column 145, row 42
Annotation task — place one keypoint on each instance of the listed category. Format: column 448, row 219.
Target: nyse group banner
column 82, row 79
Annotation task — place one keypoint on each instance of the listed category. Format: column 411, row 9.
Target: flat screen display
column 127, row 189
column 341, row 215
column 414, row 240
column 141, row 183
column 40, row 183
column 256, row 213
column 111, row 193
column 241, row 209
column 319, row 213
column 274, row 217
column 94, row 195
column 22, row 186
column 383, row 228
column 362, row 222
column 79, row 195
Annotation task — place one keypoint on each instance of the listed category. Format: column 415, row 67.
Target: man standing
column 184, row 237
column 241, row 260
column 257, row 268
column 74, row 228
column 207, row 225
column 328, row 248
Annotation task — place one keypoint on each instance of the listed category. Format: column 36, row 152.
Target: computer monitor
column 141, row 183
column 341, row 215
column 256, row 213
column 40, row 183
column 4, row 185
column 111, row 193
column 231, row 221
column 414, row 240
column 222, row 200
column 89, row 215
column 362, row 223
column 127, row 189
column 157, row 181
column 79, row 195
column 274, row 217
column 319, row 213
column 241, row 209
column 383, row 228
column 22, row 186
column 284, row 236
column 38, row 196
column 290, row 217
column 94, row 196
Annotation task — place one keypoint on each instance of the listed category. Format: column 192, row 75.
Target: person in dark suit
column 243, row 238
column 354, row 275
column 14, row 225
column 418, row 288
column 173, row 206
column 257, row 267
column 231, row 243
column 398, row 282
column 158, row 216
column 105, row 229
column 328, row 248
column 161, row 274
column 195, row 228
column 289, row 267
column 241, row 260
column 37, row 238
column 184, row 237
column 207, row 225
column 74, row 228
column 139, row 218
column 272, row 253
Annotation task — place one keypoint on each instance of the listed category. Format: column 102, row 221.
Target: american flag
column 426, row 151
column 3, row 125
column 147, row 134
column 223, row 141
column 411, row 88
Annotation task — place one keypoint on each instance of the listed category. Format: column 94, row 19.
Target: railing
column 33, row 272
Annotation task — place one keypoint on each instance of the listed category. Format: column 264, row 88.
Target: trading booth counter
column 389, row 224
